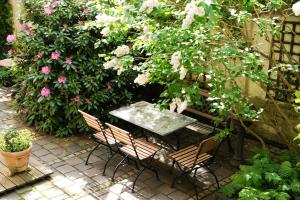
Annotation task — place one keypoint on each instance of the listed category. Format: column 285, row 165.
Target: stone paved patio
column 72, row 179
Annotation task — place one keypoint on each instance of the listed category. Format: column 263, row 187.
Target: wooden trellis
column 285, row 56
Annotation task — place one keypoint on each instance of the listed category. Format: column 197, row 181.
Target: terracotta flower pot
column 17, row 161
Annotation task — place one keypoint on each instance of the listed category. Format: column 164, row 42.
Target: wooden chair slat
column 183, row 151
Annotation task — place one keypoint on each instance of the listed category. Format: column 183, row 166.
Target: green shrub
column 15, row 140
column 6, row 26
column 7, row 77
column 267, row 178
column 64, row 71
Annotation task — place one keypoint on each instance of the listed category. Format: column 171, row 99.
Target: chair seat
column 186, row 157
column 110, row 139
column 144, row 149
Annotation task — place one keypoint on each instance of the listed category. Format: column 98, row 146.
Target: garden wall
column 273, row 124
column 16, row 13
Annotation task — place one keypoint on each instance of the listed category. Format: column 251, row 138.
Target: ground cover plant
column 268, row 177
column 63, row 70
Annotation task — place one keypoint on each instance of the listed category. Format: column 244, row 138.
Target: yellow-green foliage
column 15, row 140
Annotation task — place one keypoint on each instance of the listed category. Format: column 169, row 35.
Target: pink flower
column 27, row 93
column 45, row 92
column 55, row 2
column 62, row 79
column 79, row 22
column 29, row 31
column 108, row 85
column 86, row 10
column 46, row 70
column 40, row 54
column 24, row 26
column 87, row 101
column 48, row 10
column 55, row 55
column 77, row 98
column 66, row 25
column 11, row 38
column 24, row 110
column 10, row 52
column 69, row 61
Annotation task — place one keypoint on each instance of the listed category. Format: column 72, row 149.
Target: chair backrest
column 123, row 136
column 120, row 134
column 209, row 145
column 92, row 121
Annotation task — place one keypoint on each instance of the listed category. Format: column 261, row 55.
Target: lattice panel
column 285, row 55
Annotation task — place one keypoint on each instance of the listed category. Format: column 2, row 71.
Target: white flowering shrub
column 179, row 44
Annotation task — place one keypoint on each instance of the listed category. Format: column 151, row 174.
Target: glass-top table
column 151, row 118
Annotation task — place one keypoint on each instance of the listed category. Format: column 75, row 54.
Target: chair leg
column 176, row 179
column 87, row 160
column 109, row 157
column 173, row 165
column 195, row 187
column 118, row 165
column 138, row 175
column 216, row 178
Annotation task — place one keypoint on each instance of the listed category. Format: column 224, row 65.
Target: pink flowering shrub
column 63, row 70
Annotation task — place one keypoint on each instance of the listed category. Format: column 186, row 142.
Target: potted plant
column 15, row 148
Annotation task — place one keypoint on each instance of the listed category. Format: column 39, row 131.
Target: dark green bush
column 63, row 69
column 7, row 77
column 6, row 26
column 267, row 178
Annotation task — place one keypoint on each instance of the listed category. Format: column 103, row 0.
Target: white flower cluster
column 180, row 105
column 105, row 19
column 296, row 8
column 175, row 62
column 149, row 5
column 142, row 79
column 114, row 63
column 121, row 51
column 105, row 32
column 191, row 10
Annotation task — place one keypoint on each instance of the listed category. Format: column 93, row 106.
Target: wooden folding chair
column 102, row 136
column 193, row 157
column 140, row 151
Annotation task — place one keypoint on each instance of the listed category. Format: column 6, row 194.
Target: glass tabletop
column 149, row 117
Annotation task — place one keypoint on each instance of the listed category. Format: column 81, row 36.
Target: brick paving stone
column 52, row 192
column 160, row 197
column 110, row 196
column 63, row 182
column 92, row 172
column 65, row 169
column 32, row 195
column 61, row 197
column 178, row 195
column 74, row 161
column 58, row 151
column 73, row 175
column 48, row 158
column 148, row 192
column 41, row 186
column 40, row 152
column 129, row 196
column 100, row 179
column 166, row 189
column 83, row 167
column 50, row 146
